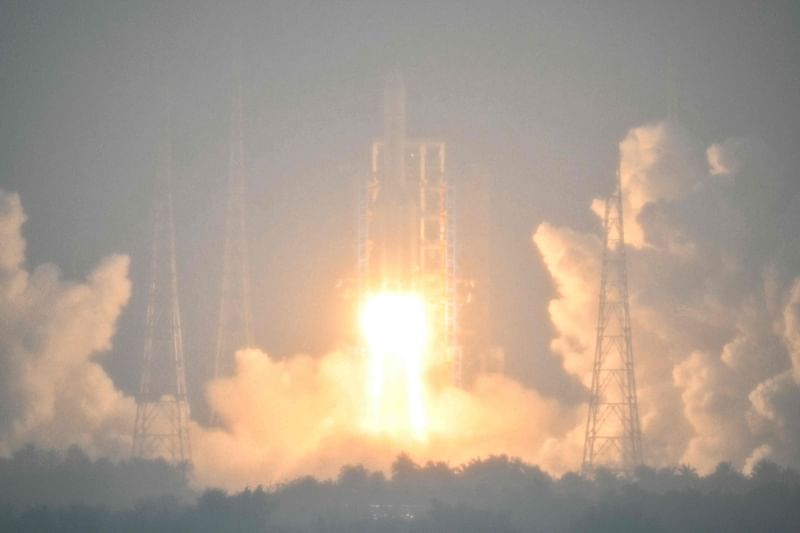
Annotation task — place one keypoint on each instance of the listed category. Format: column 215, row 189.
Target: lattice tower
column 161, row 427
column 613, row 436
column 234, row 329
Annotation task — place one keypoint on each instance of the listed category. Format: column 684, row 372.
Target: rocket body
column 395, row 230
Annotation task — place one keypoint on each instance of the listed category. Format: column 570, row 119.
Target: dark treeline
column 47, row 491
column 34, row 476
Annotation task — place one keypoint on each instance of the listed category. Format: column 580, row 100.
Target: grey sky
column 536, row 94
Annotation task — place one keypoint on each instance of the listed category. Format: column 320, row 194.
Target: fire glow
column 396, row 330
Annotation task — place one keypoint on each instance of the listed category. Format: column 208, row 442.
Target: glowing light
column 395, row 327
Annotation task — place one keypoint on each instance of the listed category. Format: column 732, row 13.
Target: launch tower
column 406, row 225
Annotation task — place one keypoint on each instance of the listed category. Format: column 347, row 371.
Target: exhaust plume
column 304, row 415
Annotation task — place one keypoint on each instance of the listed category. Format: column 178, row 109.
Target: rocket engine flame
column 396, row 330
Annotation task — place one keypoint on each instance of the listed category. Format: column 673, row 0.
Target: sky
column 536, row 96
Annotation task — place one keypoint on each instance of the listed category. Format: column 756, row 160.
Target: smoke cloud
column 714, row 297
column 283, row 418
column 717, row 335
column 715, row 301
column 305, row 415
column 53, row 390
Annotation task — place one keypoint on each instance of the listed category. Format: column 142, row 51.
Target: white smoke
column 715, row 308
column 715, row 298
column 306, row 416
column 283, row 418
column 52, row 389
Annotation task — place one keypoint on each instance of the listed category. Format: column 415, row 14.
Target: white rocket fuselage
column 396, row 232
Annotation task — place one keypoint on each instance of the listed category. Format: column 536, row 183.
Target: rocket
column 396, row 223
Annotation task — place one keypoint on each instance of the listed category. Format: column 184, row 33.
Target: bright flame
column 395, row 327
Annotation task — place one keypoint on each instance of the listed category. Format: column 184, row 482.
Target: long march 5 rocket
column 396, row 233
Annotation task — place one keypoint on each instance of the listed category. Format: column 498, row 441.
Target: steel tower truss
column 234, row 330
column 161, row 427
column 613, row 437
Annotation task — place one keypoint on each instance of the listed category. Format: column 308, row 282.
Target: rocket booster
column 396, row 232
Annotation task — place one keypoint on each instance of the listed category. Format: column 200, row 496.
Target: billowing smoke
column 715, row 289
column 306, row 415
column 715, row 300
column 282, row 418
column 53, row 391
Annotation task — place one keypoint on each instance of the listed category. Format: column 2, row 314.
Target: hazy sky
column 535, row 94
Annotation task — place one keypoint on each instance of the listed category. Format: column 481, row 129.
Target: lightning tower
column 613, row 436
column 162, row 409
column 234, row 330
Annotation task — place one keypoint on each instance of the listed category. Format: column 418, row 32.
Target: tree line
column 44, row 490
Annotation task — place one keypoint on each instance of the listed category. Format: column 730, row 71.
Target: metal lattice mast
column 161, row 427
column 613, row 436
column 234, row 329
